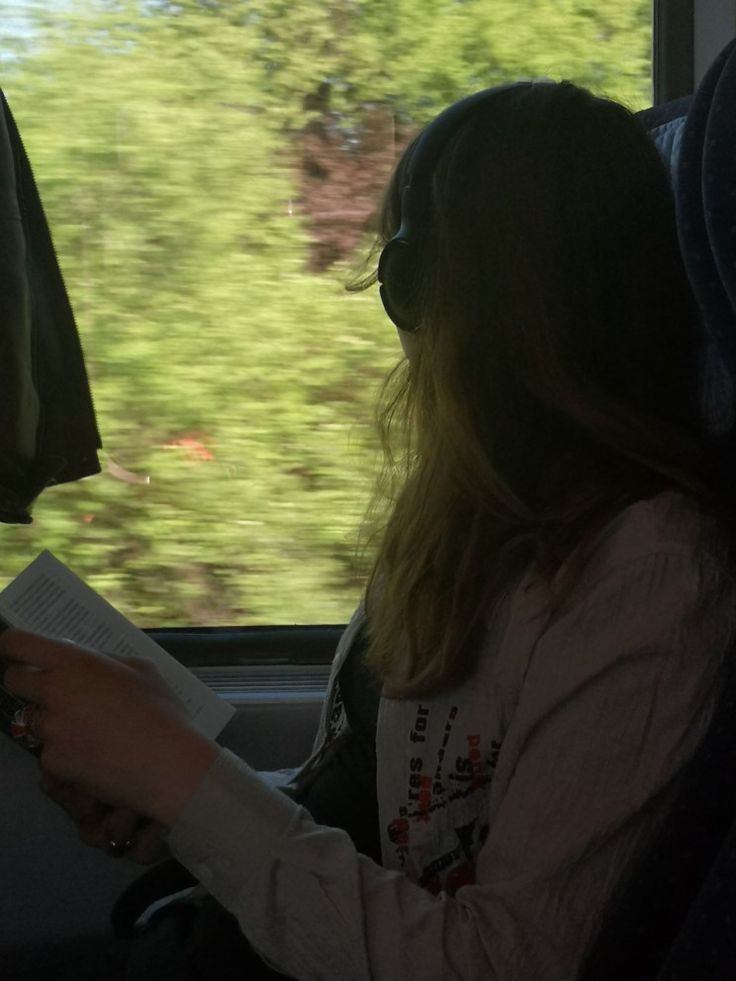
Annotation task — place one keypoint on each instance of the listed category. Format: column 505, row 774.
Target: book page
column 48, row 598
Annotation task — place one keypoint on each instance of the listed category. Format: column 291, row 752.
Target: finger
column 141, row 664
column 118, row 825
column 121, row 824
column 25, row 681
column 94, row 828
column 60, row 791
column 52, row 786
column 28, row 658
column 32, row 657
column 82, row 806
column 91, row 833
column 149, row 845
column 35, row 650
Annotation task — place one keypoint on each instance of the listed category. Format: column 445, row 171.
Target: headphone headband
column 398, row 264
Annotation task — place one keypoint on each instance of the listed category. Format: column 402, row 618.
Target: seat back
column 658, row 911
column 671, row 917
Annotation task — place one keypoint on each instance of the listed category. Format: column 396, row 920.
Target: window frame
column 672, row 50
column 687, row 36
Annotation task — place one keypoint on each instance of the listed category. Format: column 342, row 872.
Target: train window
column 211, row 170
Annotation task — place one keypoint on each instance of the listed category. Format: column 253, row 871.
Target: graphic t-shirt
column 511, row 806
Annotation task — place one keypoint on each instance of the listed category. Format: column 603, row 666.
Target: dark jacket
column 48, row 432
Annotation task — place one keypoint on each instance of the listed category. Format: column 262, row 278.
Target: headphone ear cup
column 398, row 276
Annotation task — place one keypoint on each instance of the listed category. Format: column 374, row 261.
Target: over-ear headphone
column 398, row 265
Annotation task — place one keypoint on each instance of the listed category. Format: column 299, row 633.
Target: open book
column 47, row 598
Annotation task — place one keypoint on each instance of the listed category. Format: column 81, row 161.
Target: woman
column 549, row 612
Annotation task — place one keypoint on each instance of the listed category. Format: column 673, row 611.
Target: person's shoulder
column 658, row 561
column 659, row 548
column 672, row 525
column 668, row 544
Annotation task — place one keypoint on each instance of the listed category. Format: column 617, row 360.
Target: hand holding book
column 49, row 600
column 100, row 824
column 111, row 726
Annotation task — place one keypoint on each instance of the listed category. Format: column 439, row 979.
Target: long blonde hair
column 553, row 381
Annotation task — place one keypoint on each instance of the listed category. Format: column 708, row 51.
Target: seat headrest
column 696, row 137
column 664, row 125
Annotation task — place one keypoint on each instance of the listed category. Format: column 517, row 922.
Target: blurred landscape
column 211, row 173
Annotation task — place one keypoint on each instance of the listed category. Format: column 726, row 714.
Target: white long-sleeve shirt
column 510, row 806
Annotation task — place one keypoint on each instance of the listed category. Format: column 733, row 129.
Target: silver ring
column 22, row 726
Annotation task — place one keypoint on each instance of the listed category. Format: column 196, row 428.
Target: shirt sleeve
column 617, row 698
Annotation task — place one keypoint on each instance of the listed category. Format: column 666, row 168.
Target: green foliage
column 234, row 388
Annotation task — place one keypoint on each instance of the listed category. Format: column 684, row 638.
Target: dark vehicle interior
column 57, row 890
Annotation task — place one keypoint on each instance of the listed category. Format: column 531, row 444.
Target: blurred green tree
column 189, row 154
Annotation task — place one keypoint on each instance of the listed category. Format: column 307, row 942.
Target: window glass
column 211, row 171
